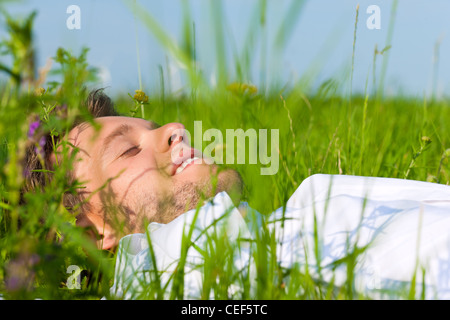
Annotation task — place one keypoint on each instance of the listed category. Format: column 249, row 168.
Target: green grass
column 320, row 131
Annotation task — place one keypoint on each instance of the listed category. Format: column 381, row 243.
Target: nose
column 171, row 135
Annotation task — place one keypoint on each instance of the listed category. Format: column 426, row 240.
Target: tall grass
column 320, row 131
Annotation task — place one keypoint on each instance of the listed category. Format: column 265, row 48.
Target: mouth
column 193, row 157
column 185, row 164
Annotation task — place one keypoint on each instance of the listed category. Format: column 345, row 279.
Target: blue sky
column 322, row 37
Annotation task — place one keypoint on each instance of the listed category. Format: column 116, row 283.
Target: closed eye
column 131, row 152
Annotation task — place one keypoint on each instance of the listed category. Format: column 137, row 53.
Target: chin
column 206, row 176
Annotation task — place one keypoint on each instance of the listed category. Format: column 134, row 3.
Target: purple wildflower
column 20, row 272
column 40, row 148
column 33, row 127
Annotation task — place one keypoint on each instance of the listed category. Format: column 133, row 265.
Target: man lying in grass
column 145, row 191
column 144, row 166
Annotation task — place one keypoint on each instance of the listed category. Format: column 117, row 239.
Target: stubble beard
column 186, row 196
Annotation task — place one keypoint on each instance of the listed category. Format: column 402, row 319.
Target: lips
column 185, row 164
column 181, row 163
column 189, row 157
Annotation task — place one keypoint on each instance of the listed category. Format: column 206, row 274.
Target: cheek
column 126, row 169
column 87, row 175
column 135, row 179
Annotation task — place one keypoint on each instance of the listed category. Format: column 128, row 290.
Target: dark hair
column 38, row 164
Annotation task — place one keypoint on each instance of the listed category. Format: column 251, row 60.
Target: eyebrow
column 118, row 132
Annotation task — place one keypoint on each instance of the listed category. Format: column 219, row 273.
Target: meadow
column 321, row 130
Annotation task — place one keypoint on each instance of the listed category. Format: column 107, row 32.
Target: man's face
column 136, row 171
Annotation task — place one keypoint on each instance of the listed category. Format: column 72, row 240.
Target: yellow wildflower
column 426, row 140
column 242, row 88
column 39, row 91
column 140, row 96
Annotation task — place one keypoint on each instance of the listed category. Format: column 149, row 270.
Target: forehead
column 86, row 134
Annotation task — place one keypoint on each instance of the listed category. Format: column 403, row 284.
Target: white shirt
column 405, row 225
